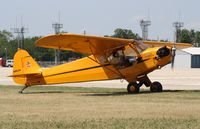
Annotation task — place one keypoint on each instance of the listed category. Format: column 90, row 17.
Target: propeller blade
column 173, row 57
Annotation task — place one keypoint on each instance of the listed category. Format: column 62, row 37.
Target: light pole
column 57, row 27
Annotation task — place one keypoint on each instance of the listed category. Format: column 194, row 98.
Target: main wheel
column 133, row 88
column 156, row 87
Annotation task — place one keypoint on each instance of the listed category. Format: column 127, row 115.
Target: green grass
column 67, row 107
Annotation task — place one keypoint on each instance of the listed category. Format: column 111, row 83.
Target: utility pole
column 144, row 26
column 177, row 26
column 20, row 34
column 84, row 32
column 57, row 26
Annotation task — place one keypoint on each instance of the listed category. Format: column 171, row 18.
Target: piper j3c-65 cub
column 106, row 59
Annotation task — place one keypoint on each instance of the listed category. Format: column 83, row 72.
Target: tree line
column 189, row 36
column 9, row 44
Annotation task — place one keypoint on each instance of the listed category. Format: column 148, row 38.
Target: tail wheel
column 133, row 88
column 156, row 87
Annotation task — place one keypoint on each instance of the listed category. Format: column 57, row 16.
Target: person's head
column 115, row 54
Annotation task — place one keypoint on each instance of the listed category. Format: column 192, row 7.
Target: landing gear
column 156, row 87
column 133, row 87
column 21, row 91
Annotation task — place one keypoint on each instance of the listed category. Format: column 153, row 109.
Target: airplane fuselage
column 85, row 69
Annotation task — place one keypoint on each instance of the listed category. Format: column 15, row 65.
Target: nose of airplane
column 163, row 56
column 163, row 52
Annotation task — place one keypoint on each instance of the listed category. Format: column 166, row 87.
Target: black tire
column 133, row 88
column 156, row 87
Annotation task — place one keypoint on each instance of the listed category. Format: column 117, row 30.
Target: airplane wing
column 159, row 44
column 94, row 45
column 82, row 43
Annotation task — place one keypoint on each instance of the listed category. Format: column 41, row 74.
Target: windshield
column 123, row 57
column 141, row 46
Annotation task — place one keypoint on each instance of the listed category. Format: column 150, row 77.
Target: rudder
column 24, row 66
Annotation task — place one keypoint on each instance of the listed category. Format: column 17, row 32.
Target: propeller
column 173, row 55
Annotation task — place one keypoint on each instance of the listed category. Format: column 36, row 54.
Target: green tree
column 197, row 39
column 189, row 36
column 5, row 38
column 40, row 54
column 186, row 36
column 5, row 35
column 125, row 34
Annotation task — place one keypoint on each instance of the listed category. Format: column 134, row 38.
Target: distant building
column 187, row 58
column 195, row 56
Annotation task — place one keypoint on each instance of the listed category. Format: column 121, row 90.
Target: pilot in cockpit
column 119, row 59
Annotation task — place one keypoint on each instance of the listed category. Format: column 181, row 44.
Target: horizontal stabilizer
column 34, row 74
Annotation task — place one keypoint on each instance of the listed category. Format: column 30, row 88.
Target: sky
column 99, row 17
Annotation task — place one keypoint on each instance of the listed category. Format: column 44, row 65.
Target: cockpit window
column 141, row 46
column 123, row 57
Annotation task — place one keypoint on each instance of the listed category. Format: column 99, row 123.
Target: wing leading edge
column 94, row 45
column 158, row 44
column 82, row 43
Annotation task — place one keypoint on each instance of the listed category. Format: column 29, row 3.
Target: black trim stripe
column 141, row 61
column 78, row 70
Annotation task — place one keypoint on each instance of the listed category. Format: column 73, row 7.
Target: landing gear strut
column 134, row 87
column 21, row 91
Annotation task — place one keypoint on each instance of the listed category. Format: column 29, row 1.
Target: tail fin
column 24, row 67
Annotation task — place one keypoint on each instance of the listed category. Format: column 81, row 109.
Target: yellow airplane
column 106, row 59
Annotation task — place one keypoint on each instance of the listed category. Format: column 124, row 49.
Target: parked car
column 9, row 63
column 2, row 62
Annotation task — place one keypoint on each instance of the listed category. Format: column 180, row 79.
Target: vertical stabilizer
column 24, row 66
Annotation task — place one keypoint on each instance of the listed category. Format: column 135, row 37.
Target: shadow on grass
column 42, row 92
column 142, row 92
column 117, row 93
column 82, row 93
column 96, row 93
column 56, row 92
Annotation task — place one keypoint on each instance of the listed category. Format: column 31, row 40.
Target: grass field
column 66, row 107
